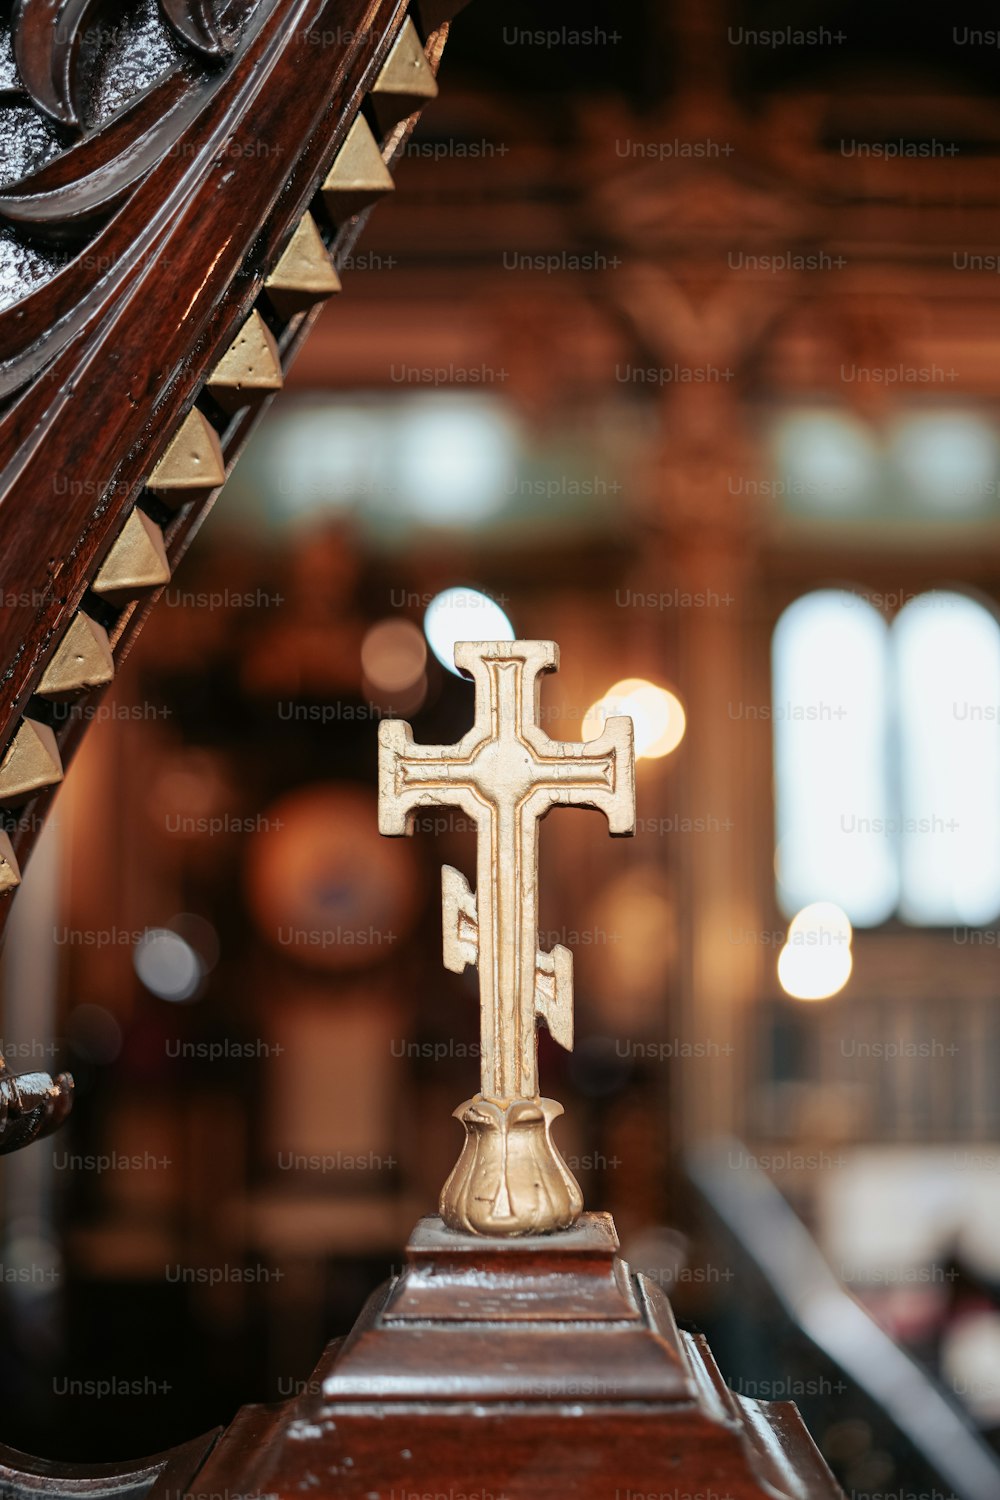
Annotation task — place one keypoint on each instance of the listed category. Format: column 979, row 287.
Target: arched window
column 832, row 799
column 826, row 462
column 946, row 672
column 887, row 758
column 918, row 466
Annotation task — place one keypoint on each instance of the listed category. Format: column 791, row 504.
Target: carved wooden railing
column 175, row 202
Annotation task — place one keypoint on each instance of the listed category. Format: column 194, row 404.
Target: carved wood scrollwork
column 55, row 39
column 205, row 201
column 102, row 93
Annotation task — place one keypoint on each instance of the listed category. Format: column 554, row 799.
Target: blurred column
column 707, row 548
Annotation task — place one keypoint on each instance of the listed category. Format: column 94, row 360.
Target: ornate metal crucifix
column 505, row 775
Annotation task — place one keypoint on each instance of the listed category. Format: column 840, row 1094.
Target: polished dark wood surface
column 491, row 1367
column 175, row 211
column 499, row 1366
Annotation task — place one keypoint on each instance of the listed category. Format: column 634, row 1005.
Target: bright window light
column 828, row 460
column 948, row 460
column 946, row 653
column 431, row 458
column 832, row 803
column 454, row 459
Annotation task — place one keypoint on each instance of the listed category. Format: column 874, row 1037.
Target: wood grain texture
column 533, row 1367
column 101, row 363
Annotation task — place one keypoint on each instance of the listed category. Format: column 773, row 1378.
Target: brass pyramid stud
column 82, row 660
column 10, row 870
column 358, row 176
column 192, row 463
column 136, row 562
column 305, row 273
column 406, row 82
column 31, row 763
column 250, row 369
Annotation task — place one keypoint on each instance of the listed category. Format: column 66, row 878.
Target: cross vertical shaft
column 506, row 774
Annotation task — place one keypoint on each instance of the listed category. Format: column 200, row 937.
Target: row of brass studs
column 193, row 462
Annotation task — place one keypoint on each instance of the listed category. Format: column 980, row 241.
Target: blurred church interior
column 652, row 354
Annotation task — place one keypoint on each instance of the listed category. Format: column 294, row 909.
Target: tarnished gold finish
column 10, row 872
column 32, row 762
column 406, row 82
column 358, row 176
column 510, row 1177
column 192, row 463
column 136, row 562
column 250, row 369
column 505, row 775
column 82, row 660
column 305, row 274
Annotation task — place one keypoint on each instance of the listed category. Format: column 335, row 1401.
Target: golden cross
column 505, row 775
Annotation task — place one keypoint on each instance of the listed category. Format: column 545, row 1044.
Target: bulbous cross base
column 510, row 1178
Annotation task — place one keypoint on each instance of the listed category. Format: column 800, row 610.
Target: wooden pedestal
column 518, row 1368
